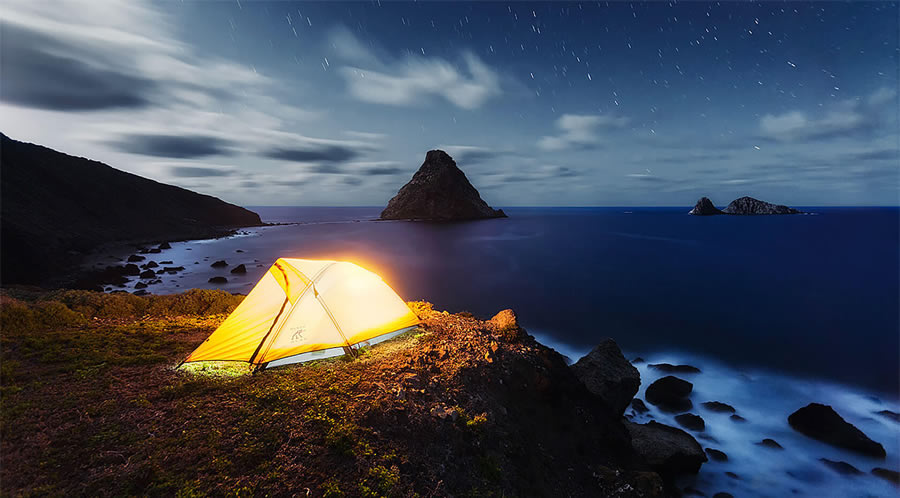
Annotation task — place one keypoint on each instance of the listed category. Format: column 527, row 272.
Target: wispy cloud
column 580, row 131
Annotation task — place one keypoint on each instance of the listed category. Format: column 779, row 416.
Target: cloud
column 327, row 153
column 645, row 177
column 852, row 117
column 197, row 172
column 470, row 154
column 415, row 79
column 541, row 174
column 876, row 155
column 173, row 145
column 580, row 131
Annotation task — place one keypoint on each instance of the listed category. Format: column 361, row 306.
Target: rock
column 131, row 269
column 239, row 269
column 165, row 245
column 148, row 274
column 704, row 207
column 770, row 443
column 722, row 494
column 737, row 418
column 606, row 373
column 823, row 423
column 637, row 360
column 155, row 250
column 690, row 421
column 841, row 467
column 717, row 455
column 439, row 191
column 151, row 264
column 889, row 414
column 219, row 264
column 668, row 450
column 218, row 280
column 142, row 292
column 732, row 475
column 172, row 269
column 749, row 205
column 670, row 393
column 717, row 406
column 166, row 263
column 639, row 406
column 890, row 475
column 140, row 285
column 134, row 258
column 239, row 250
column 670, row 369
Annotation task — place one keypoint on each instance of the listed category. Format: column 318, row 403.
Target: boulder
column 165, row 245
column 737, row 418
column 166, row 263
column 218, row 280
column 670, row 393
column 439, row 191
column 671, row 369
column 890, row 475
column 717, row 455
column 690, row 421
column 668, row 450
column 718, row 407
column 749, row 205
column 841, row 467
column 140, row 285
column 172, row 269
column 239, row 269
column 151, row 264
column 821, row 422
column 134, row 258
column 131, row 269
column 639, row 406
column 606, row 373
column 148, row 274
column 704, row 207
column 219, row 264
column 155, row 250
column 770, row 443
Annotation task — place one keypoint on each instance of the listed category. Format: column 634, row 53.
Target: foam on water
column 766, row 399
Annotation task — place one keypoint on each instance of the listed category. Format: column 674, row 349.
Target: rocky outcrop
column 823, row 423
column 606, row 373
column 841, row 467
column 704, row 207
column 749, row 205
column 439, row 191
column 56, row 208
column 691, row 421
column 239, row 269
column 668, row 450
column 670, row 393
column 718, row 406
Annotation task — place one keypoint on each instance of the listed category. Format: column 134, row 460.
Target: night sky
column 286, row 103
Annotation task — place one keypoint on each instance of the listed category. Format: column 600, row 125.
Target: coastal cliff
column 439, row 191
column 57, row 207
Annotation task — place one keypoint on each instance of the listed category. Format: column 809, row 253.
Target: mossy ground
column 91, row 404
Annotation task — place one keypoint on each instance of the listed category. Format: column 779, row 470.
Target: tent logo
column 298, row 333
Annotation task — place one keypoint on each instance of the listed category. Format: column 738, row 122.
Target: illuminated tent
column 303, row 310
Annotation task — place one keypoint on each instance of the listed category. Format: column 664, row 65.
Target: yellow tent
column 303, row 310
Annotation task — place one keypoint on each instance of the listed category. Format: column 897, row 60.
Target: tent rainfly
column 303, row 310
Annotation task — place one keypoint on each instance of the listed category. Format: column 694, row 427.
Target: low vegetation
column 91, row 404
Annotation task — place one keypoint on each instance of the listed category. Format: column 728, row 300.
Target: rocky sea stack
column 741, row 206
column 439, row 191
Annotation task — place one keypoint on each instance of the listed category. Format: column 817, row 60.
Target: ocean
column 777, row 311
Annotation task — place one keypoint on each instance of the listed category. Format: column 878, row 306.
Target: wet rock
column 131, row 269
column 889, row 414
column 637, row 360
column 704, row 207
column 148, row 274
column 134, row 258
column 718, row 407
column 155, row 250
column 890, row 475
column 239, row 269
column 668, row 450
column 670, row 393
column 606, row 373
column 770, row 443
column 219, row 264
column 737, row 418
column 821, row 422
column 841, row 467
column 717, row 455
column 140, row 285
column 165, row 245
column 670, row 369
column 151, row 264
column 639, row 406
column 439, row 191
column 749, row 205
column 239, row 250
column 166, row 263
column 218, row 280
column 690, row 421
column 172, row 269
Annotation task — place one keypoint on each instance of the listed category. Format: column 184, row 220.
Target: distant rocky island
column 439, row 191
column 741, row 206
column 58, row 207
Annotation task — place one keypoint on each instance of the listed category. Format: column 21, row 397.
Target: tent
column 303, row 310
